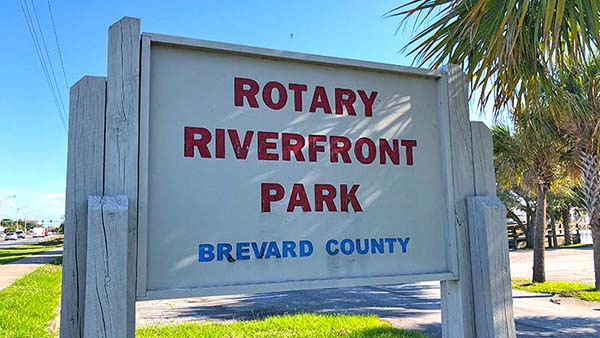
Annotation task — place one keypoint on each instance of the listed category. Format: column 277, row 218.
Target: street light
column 27, row 212
column 4, row 199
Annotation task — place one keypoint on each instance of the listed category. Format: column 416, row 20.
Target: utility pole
column 25, row 214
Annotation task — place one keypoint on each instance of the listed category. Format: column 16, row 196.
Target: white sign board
column 265, row 171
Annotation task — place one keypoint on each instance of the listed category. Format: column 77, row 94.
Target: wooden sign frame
column 102, row 230
column 150, row 39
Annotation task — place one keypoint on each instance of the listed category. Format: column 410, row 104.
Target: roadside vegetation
column 296, row 326
column 565, row 289
column 28, row 308
column 29, row 304
column 535, row 65
column 8, row 255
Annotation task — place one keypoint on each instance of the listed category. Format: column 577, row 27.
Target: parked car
column 20, row 234
column 10, row 236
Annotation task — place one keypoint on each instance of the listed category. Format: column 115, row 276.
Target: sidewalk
column 12, row 271
column 571, row 265
column 536, row 316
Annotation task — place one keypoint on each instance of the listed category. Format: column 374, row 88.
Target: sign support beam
column 122, row 136
column 457, row 296
column 106, row 298
column 84, row 178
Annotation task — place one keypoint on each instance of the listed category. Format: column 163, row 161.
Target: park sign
column 213, row 169
column 268, row 171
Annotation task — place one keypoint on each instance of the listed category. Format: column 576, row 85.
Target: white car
column 20, row 234
column 10, row 236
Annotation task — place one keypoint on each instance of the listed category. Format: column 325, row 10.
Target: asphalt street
column 27, row 240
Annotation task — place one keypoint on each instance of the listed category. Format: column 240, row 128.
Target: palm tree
column 510, row 165
column 577, row 112
column 537, row 155
column 510, row 51
column 507, row 48
column 561, row 200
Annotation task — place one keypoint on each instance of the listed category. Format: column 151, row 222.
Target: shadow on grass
column 26, row 247
column 414, row 307
column 383, row 332
column 57, row 262
column 30, row 253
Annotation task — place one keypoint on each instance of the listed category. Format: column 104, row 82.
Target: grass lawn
column 15, row 253
column 29, row 304
column 566, row 289
column 287, row 326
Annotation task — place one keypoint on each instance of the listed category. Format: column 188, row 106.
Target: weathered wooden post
column 103, row 162
column 479, row 304
column 107, row 268
column 84, row 178
column 121, row 139
column 490, row 261
column 457, row 295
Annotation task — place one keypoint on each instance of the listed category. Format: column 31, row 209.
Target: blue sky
column 33, row 143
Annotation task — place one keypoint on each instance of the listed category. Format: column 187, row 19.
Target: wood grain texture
column 491, row 270
column 142, row 230
column 106, row 297
column 84, row 177
column 457, row 296
column 122, row 135
column 483, row 159
column 489, row 255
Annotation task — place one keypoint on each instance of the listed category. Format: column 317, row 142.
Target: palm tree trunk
column 529, row 233
column 566, row 226
column 596, row 244
column 591, row 191
column 539, row 271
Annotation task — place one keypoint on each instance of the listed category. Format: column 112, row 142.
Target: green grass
column 29, row 304
column 12, row 254
column 287, row 326
column 566, row 289
column 28, row 309
column 575, row 246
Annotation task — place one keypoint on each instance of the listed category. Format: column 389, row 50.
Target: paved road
column 12, row 271
column 414, row 306
column 563, row 264
column 27, row 240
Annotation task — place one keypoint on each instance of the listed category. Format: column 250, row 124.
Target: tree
column 577, row 112
column 565, row 197
column 6, row 222
column 510, row 165
column 507, row 48
column 510, row 51
column 534, row 156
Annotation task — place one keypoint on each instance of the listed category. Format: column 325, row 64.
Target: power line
column 37, row 20
column 62, row 64
column 32, row 32
column 40, row 55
